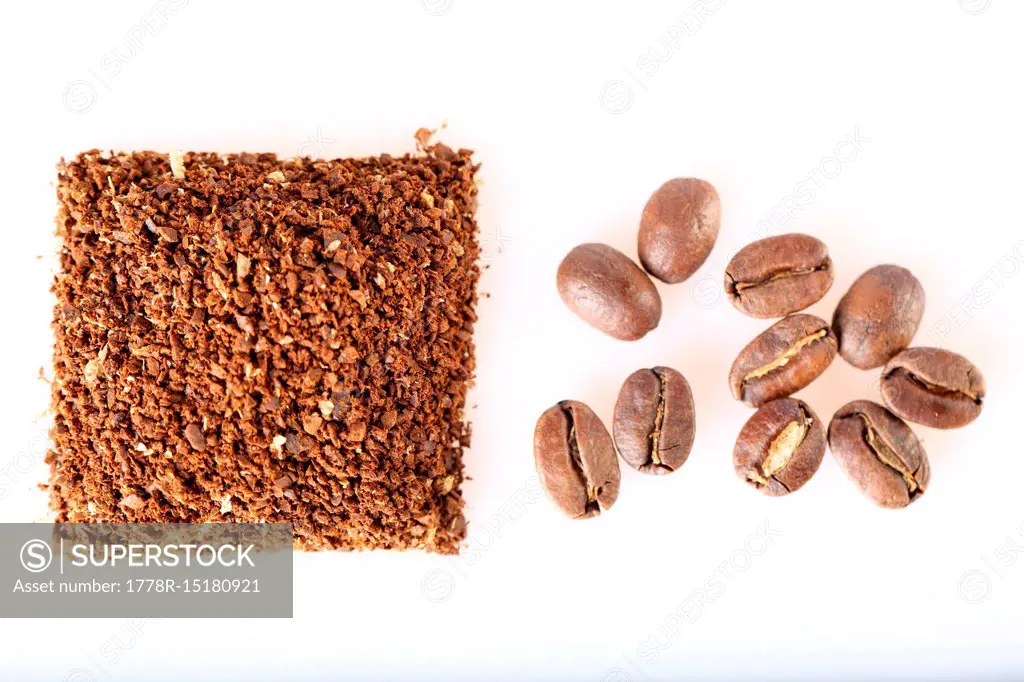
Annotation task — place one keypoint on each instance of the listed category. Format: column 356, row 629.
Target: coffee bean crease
column 936, row 388
column 654, row 453
column 879, row 453
column 654, row 420
column 783, row 359
column 593, row 492
column 780, row 447
column 781, row 451
column 888, row 456
column 738, row 288
column 778, row 275
column 576, row 461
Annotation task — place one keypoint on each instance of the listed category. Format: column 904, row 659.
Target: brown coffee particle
column 242, row 265
column 194, row 436
column 133, row 502
column 166, row 233
column 312, row 423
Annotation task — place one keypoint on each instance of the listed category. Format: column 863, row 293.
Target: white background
column 576, row 123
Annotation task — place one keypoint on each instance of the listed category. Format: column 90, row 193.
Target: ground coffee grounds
column 244, row 338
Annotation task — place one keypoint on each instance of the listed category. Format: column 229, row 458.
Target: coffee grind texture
column 245, row 338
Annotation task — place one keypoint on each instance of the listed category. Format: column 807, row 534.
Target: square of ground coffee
column 245, row 338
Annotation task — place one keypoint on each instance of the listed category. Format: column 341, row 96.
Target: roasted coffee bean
column 609, row 291
column 878, row 316
column 654, row 420
column 780, row 447
column 787, row 356
column 934, row 387
column 678, row 228
column 778, row 275
column 576, row 460
column 879, row 453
